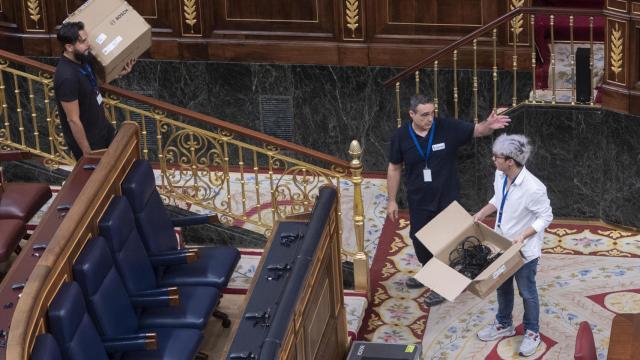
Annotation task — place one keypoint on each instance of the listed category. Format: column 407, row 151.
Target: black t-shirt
column 72, row 82
column 444, row 188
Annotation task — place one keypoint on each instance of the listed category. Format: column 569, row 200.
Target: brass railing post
column 435, row 87
column 553, row 61
column 360, row 259
column 591, row 60
column 398, row 119
column 533, row 57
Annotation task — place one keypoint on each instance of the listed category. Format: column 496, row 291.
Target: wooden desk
column 23, row 265
column 624, row 341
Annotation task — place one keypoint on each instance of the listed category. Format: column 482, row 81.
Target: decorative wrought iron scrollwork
column 296, row 190
column 193, row 163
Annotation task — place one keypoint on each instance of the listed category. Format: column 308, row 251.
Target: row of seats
column 19, row 202
column 135, row 294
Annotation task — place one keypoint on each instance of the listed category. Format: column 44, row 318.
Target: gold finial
column 355, row 150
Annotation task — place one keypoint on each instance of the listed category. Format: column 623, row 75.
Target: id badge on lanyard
column 86, row 71
column 426, row 173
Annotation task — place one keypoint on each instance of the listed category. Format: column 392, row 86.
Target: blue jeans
column 526, row 279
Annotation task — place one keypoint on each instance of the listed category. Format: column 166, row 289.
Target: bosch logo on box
column 121, row 14
column 118, row 17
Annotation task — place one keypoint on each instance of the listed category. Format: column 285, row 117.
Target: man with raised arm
column 427, row 147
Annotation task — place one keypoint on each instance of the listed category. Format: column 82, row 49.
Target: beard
column 81, row 57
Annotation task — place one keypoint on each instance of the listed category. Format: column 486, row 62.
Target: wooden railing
column 248, row 178
column 79, row 225
column 518, row 27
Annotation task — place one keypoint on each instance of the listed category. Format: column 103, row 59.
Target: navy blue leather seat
column 113, row 312
column 215, row 264
column 45, row 348
column 72, row 327
column 197, row 303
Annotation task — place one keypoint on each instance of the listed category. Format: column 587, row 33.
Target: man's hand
column 478, row 217
column 127, row 67
column 392, row 211
column 493, row 122
column 520, row 239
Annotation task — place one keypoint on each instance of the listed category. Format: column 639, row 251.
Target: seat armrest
column 150, row 301
column 135, row 342
column 156, row 297
column 195, row 220
column 177, row 257
column 168, row 291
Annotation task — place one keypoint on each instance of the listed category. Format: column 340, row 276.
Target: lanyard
column 86, row 71
column 505, row 192
column 427, row 151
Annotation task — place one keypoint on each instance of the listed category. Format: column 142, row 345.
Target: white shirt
column 526, row 204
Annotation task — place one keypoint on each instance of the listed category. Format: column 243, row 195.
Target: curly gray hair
column 516, row 147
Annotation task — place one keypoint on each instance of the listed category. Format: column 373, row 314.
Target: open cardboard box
column 443, row 234
column 116, row 32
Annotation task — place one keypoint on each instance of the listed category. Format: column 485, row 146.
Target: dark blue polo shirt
column 450, row 134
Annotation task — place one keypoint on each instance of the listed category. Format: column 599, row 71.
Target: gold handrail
column 202, row 159
column 456, row 45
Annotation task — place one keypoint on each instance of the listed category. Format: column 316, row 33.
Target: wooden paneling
column 619, row 5
column 342, row 32
column 264, row 18
column 272, row 10
column 432, row 12
column 8, row 14
column 412, row 19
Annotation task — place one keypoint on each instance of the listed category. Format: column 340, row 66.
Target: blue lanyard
column 415, row 140
column 86, row 71
column 505, row 192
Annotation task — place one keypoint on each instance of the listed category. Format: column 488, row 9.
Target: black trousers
column 418, row 219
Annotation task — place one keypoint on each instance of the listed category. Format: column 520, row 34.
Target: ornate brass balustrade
column 517, row 29
column 246, row 177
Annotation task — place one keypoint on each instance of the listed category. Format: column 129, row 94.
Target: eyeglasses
column 494, row 157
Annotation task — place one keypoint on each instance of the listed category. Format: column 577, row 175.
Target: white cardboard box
column 116, row 32
column 442, row 234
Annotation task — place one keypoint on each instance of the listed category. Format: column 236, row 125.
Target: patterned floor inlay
column 589, row 271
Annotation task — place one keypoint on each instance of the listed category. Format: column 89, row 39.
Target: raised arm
column 492, row 123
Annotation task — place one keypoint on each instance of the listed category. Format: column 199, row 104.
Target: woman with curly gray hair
column 524, row 212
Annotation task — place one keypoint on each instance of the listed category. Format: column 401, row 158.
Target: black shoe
column 433, row 299
column 412, row 283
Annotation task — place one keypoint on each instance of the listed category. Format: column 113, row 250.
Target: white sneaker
column 530, row 342
column 495, row 331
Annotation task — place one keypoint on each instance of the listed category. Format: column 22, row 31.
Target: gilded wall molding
column 353, row 21
column 351, row 15
column 191, row 24
column 34, row 15
column 516, row 25
column 616, row 54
